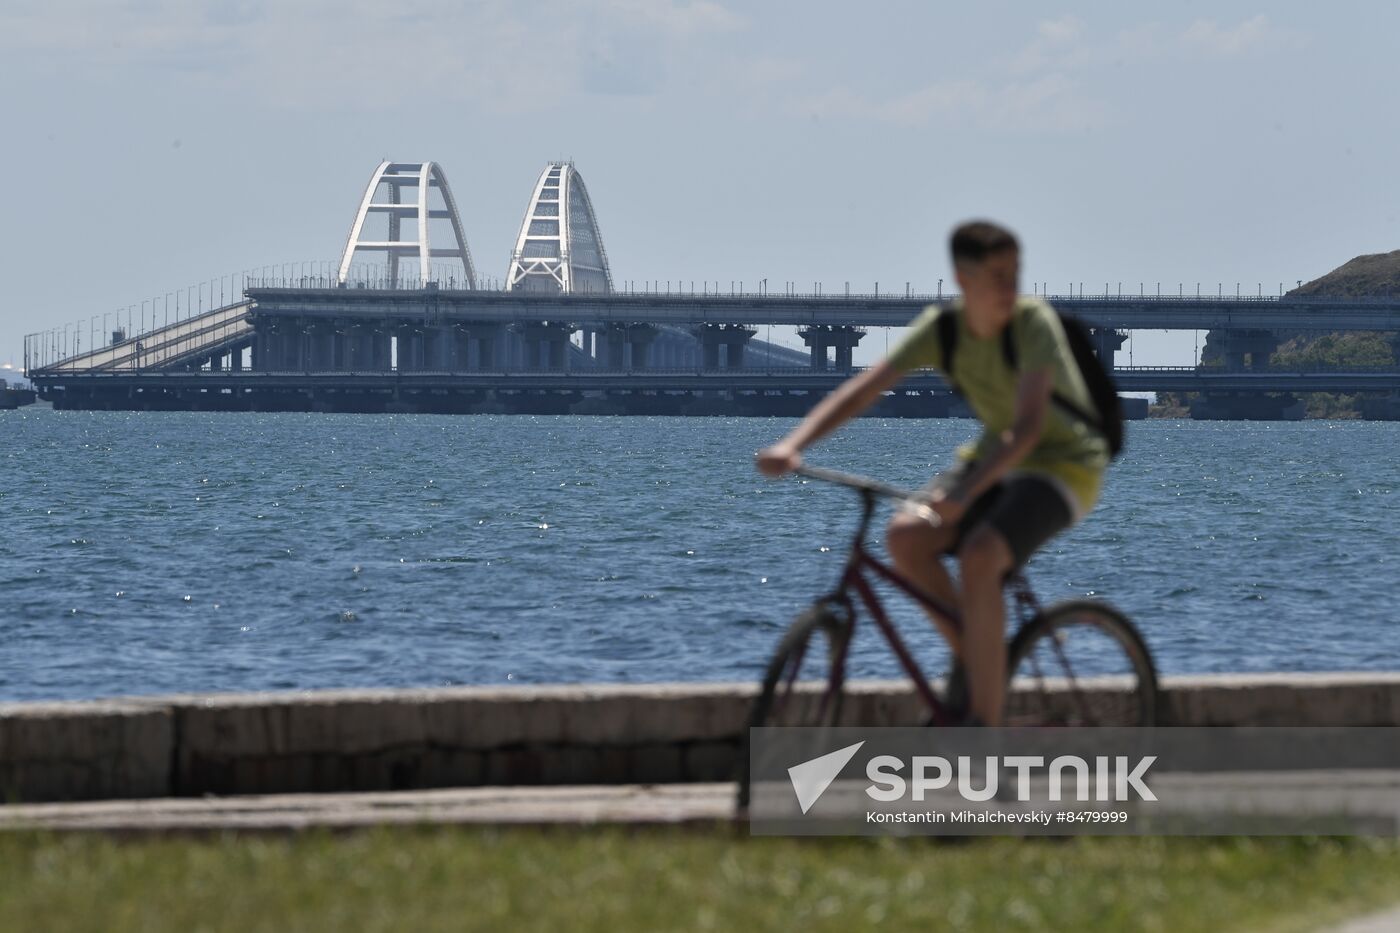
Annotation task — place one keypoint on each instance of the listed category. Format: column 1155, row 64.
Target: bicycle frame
column 855, row 577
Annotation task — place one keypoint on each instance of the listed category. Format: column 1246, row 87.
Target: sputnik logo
column 811, row 778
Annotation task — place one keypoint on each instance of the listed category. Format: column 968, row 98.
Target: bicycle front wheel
column 803, row 683
column 1081, row 663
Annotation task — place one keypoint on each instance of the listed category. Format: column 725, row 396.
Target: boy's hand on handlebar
column 777, row 460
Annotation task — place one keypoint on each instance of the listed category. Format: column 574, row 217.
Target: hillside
column 1375, row 275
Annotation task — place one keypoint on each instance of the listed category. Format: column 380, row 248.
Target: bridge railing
column 370, row 279
column 168, row 345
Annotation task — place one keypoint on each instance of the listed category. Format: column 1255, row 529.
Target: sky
column 152, row 145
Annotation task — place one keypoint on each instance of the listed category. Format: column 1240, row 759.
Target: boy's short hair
column 975, row 240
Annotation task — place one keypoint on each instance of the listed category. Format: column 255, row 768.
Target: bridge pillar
column 353, row 350
column 262, row 349
column 275, row 348
column 818, row 337
column 844, row 339
column 459, row 348
column 613, row 355
column 322, row 338
column 439, row 345
column 1241, row 349
column 409, row 338
column 292, row 336
column 361, row 349
column 821, row 337
column 1107, row 342
column 373, row 351
column 588, row 343
column 639, row 340
column 709, row 355
column 732, row 337
column 628, row 346
column 484, row 347
column 547, row 346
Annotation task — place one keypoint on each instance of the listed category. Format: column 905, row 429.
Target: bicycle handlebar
column 858, row 482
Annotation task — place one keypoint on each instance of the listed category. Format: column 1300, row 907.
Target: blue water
column 148, row 553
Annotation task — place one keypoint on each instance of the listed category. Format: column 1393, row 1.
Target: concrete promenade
column 624, row 804
column 412, row 740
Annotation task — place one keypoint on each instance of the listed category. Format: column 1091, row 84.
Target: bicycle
column 1050, row 650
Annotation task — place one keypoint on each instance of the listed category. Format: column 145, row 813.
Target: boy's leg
column 985, row 560
column 917, row 545
column 1029, row 512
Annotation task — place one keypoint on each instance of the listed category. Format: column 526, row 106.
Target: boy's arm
column 1033, row 391
column 849, row 399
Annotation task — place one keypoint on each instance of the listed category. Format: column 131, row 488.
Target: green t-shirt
column 1069, row 451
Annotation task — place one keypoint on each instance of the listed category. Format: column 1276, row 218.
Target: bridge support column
column 483, row 347
column 818, row 338
column 547, row 347
column 821, row 337
column 628, row 346
column 639, row 340
column 410, row 348
column 614, row 349
column 437, row 347
column 292, row 336
column 844, row 339
column 321, row 337
column 357, row 348
column 1107, row 342
column 459, row 348
column 1241, row 349
column 732, row 337
column 587, row 342
column 379, row 356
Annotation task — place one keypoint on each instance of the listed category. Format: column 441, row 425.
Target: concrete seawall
column 405, row 739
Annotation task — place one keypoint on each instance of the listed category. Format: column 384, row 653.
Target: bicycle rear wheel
column 1081, row 663
column 803, row 684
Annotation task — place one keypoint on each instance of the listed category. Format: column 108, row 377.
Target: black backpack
column 1107, row 420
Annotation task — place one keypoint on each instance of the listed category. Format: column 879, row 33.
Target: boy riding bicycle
column 1035, row 470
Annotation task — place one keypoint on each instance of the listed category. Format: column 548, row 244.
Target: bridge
column 420, row 333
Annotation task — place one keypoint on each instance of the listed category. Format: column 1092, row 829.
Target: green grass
column 617, row 880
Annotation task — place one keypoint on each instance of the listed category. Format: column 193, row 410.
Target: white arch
column 559, row 247
column 396, row 176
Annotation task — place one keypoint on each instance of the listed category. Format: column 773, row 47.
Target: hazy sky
column 154, row 144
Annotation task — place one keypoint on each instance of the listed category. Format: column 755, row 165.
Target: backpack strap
column 948, row 338
column 1093, row 420
column 1008, row 345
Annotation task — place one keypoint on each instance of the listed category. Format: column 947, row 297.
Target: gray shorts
column 1025, row 509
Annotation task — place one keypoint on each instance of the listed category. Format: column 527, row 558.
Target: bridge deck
column 1149, row 379
column 165, row 346
column 1122, row 313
